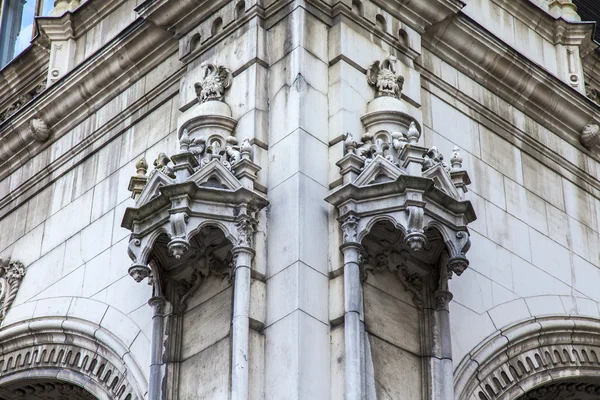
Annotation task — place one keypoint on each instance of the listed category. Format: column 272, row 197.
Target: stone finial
column 246, row 149
column 215, row 81
column 456, row 159
column 11, row 275
column 413, row 135
column 185, row 141
column 349, row 143
column 590, row 136
column 384, row 77
column 39, row 130
column 138, row 182
column 141, row 167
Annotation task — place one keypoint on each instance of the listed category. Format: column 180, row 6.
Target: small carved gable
column 157, row 180
column 442, row 180
column 378, row 171
column 215, row 175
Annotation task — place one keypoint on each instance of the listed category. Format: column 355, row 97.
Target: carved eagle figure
column 384, row 77
column 215, row 81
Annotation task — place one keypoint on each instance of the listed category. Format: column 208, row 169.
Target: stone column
column 242, row 255
column 442, row 386
column 158, row 304
column 353, row 312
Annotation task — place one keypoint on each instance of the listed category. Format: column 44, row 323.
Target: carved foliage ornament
column 395, row 262
column 11, row 275
column 368, row 149
column 215, row 81
column 590, row 136
column 384, row 77
column 350, row 229
column 21, row 101
column 228, row 154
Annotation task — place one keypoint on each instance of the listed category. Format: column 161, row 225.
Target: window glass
column 26, row 27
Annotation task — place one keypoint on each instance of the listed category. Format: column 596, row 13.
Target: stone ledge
column 486, row 59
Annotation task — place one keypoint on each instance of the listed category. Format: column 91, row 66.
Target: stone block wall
column 299, row 86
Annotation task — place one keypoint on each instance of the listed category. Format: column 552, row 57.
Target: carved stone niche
column 194, row 220
column 404, row 219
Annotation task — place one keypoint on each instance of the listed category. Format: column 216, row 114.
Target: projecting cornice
column 91, row 85
column 489, row 61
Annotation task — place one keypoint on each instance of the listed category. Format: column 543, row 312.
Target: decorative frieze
column 21, row 101
column 11, row 275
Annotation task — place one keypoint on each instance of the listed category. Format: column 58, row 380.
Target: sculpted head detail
column 215, row 81
column 384, row 77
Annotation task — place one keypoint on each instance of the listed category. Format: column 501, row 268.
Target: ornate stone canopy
column 389, row 177
column 402, row 209
column 195, row 216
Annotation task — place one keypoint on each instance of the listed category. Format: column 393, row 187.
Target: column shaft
column 240, row 324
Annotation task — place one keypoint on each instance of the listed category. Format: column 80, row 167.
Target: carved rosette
column 11, row 275
column 215, row 80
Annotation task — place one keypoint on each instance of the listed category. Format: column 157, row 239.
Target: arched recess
column 71, row 351
column 530, row 355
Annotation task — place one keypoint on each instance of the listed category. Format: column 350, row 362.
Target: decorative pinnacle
column 413, row 135
column 141, row 167
column 185, row 141
column 246, row 149
column 456, row 159
column 349, row 143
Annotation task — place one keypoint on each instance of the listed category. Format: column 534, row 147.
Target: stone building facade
column 300, row 199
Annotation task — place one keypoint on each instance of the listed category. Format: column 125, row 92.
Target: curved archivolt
column 527, row 355
column 73, row 352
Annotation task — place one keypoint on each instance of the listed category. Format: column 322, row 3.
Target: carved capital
column 384, row 77
column 245, row 232
column 11, row 275
column 442, row 299
column 350, row 229
column 215, row 81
